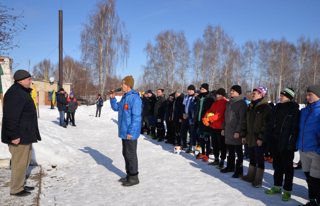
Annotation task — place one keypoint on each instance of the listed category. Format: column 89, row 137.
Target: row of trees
column 217, row 60
column 80, row 74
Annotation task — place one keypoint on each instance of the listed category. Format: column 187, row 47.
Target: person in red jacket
column 218, row 109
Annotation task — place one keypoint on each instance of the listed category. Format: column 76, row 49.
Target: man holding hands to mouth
column 129, row 124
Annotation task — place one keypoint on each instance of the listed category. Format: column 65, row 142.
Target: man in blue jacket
column 309, row 143
column 129, row 124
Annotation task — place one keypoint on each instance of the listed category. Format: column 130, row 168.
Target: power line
column 51, row 52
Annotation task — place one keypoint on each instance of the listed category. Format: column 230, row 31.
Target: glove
column 205, row 121
column 211, row 119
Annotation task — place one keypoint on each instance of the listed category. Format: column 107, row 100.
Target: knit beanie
column 205, row 86
column 191, row 87
column 128, row 80
column 71, row 93
column 149, row 91
column 237, row 88
column 288, row 92
column 179, row 91
column 315, row 89
column 261, row 90
column 198, row 92
column 21, row 75
column 221, row 91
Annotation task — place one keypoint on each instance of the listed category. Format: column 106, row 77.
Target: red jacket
column 217, row 108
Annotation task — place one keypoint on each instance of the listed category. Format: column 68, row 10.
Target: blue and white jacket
column 309, row 128
column 129, row 114
column 186, row 102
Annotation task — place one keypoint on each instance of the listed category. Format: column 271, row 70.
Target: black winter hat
column 315, row 89
column 21, row 75
column 191, row 87
column 172, row 94
column 237, row 88
column 221, row 91
column 205, row 86
column 288, row 92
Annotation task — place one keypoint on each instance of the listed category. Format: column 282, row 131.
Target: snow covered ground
column 88, row 160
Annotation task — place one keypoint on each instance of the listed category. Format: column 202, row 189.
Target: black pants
column 183, row 133
column 177, row 129
column 218, row 144
column 282, row 164
column 70, row 116
column 144, row 124
column 205, row 145
column 160, row 128
column 233, row 149
column 170, row 130
column 256, row 156
column 129, row 152
column 313, row 187
column 98, row 111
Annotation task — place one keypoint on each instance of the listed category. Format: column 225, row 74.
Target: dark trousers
column 233, row 149
column 218, row 144
column 282, row 164
column 129, row 152
column 183, row 131
column 160, row 128
column 313, row 187
column 177, row 129
column 170, row 130
column 205, row 144
column 98, row 110
column 70, row 117
column 144, row 124
column 193, row 136
column 256, row 156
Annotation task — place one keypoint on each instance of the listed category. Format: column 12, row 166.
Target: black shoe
column 74, row 125
column 160, row 140
column 22, row 193
column 28, row 188
column 237, row 175
column 132, row 180
column 124, row 179
column 188, row 150
column 226, row 170
column 167, row 142
column 64, row 126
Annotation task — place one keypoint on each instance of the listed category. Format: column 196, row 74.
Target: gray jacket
column 236, row 109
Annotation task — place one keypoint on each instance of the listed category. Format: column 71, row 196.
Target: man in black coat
column 177, row 115
column 144, row 116
column 19, row 130
column 152, row 99
column 159, row 112
column 62, row 106
column 169, row 121
column 281, row 135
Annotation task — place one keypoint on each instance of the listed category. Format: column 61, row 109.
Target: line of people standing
column 226, row 126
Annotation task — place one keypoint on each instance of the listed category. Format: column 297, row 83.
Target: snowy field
column 89, row 162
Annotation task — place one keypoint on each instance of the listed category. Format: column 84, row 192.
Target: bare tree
column 44, row 69
column 197, row 51
column 250, row 49
column 10, row 27
column 315, row 60
column 183, row 56
column 104, row 40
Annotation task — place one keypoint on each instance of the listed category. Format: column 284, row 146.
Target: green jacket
column 255, row 122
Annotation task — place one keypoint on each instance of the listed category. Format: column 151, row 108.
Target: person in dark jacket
column 19, row 130
column 169, row 121
column 236, row 109
column 99, row 103
column 252, row 132
column 62, row 106
column 129, row 124
column 71, row 109
column 144, row 116
column 281, row 135
column 204, row 102
column 185, row 125
column 159, row 113
column 177, row 115
column 308, row 143
column 152, row 99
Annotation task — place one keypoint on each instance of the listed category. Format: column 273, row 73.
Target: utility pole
column 60, row 50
